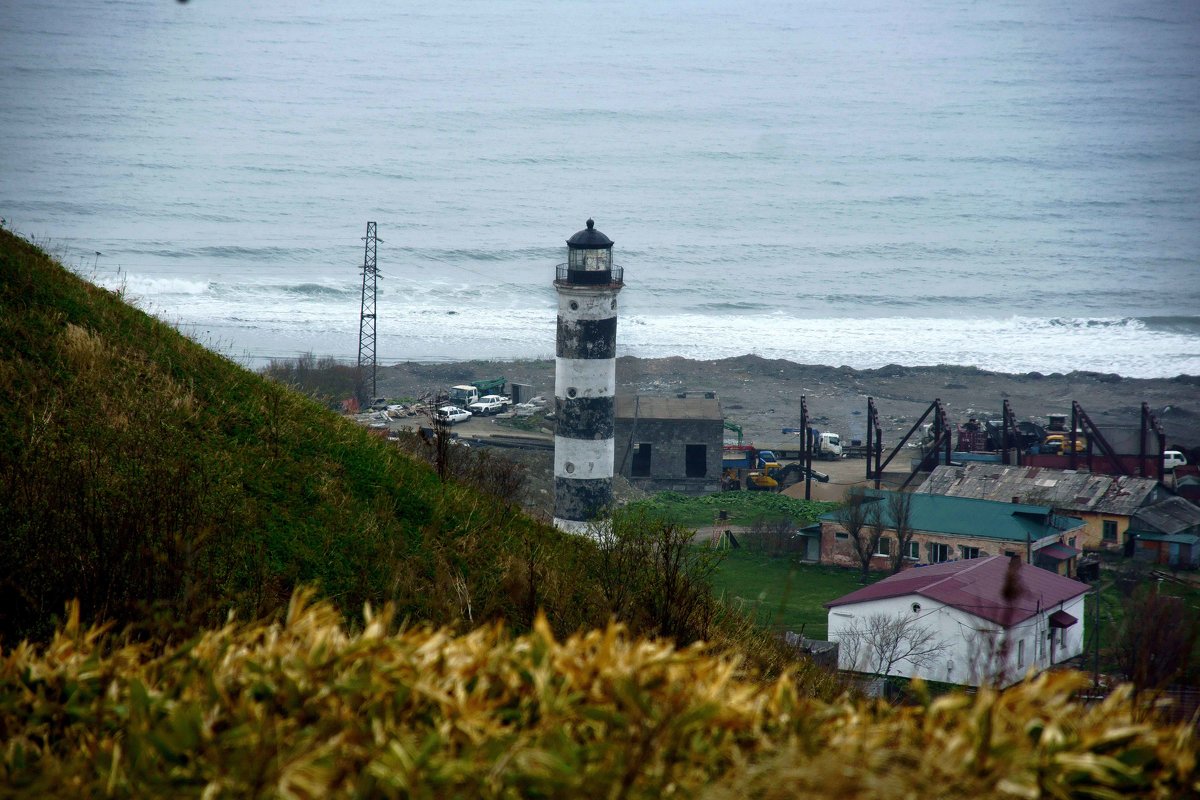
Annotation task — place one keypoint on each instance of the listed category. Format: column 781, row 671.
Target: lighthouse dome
column 590, row 239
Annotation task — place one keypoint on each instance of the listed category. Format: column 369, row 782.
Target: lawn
column 783, row 593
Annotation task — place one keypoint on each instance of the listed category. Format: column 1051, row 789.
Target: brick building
column 1105, row 503
column 955, row 528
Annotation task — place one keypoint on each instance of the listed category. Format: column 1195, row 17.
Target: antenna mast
column 366, row 315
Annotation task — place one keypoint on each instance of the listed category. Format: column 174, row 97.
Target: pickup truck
column 489, row 404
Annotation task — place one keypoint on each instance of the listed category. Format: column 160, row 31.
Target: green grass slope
column 156, row 480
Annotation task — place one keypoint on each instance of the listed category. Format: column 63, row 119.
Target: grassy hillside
column 743, row 508
column 303, row 709
column 161, row 484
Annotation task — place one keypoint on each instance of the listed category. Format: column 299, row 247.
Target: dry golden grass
column 305, row 709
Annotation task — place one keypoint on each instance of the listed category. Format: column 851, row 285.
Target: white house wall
column 970, row 657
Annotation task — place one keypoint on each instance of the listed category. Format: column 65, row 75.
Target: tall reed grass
column 306, row 708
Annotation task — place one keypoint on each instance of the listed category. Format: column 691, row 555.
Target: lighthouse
column 585, row 379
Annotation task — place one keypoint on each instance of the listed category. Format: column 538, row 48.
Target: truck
column 826, row 444
column 746, row 465
column 489, row 404
column 466, row 393
column 747, row 456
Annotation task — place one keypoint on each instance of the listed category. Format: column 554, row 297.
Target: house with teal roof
column 948, row 528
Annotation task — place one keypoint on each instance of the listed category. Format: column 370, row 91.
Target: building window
column 969, row 552
column 938, row 552
column 841, row 535
column 914, row 551
column 1010, row 553
column 1020, row 653
column 640, row 468
column 1110, row 530
column 696, row 460
column 884, row 547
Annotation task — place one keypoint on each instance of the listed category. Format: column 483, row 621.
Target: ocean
column 1013, row 185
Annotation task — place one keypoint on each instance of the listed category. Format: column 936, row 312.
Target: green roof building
column 949, row 529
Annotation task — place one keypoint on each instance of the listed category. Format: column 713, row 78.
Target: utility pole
column 1096, row 638
column 366, row 315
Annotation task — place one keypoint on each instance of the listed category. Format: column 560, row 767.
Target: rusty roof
column 976, row 586
column 1068, row 490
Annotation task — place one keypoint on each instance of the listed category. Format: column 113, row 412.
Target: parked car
column 452, row 414
column 489, row 404
column 1173, row 459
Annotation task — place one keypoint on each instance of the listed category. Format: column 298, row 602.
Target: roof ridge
column 970, row 566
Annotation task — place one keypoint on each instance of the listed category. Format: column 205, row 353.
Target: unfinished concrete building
column 670, row 443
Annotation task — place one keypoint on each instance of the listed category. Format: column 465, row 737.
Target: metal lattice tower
column 366, row 316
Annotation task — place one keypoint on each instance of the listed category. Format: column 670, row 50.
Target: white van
column 1173, row 459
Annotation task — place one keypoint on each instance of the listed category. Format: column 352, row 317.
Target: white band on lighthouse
column 583, row 458
column 588, row 303
column 590, row 377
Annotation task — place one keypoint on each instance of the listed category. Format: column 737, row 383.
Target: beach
column 763, row 396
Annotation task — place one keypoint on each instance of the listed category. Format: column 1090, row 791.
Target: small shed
column 669, row 443
column 1168, row 533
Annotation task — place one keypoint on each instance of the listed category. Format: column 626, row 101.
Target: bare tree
column 900, row 511
column 772, row 536
column 651, row 575
column 878, row 643
column 855, row 517
column 1155, row 639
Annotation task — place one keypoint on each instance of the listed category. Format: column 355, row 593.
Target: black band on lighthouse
column 584, row 417
column 581, row 499
column 587, row 338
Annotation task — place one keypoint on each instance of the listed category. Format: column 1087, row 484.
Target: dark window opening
column 641, row 461
column 696, row 461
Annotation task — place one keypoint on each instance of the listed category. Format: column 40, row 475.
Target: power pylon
column 366, row 315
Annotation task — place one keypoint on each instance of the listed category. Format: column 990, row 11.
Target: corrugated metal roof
column 977, row 587
column 1170, row 538
column 1058, row 551
column 963, row 516
column 666, row 408
column 1173, row 515
column 1066, row 489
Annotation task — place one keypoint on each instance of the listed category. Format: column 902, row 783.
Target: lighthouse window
column 640, row 468
column 696, row 460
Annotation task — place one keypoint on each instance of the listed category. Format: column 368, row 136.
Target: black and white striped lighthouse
column 585, row 379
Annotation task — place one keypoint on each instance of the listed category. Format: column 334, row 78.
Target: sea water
column 1013, row 185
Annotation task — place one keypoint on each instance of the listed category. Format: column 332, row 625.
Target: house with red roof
column 971, row 622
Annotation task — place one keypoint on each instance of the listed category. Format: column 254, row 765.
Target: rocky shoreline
column 763, row 395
